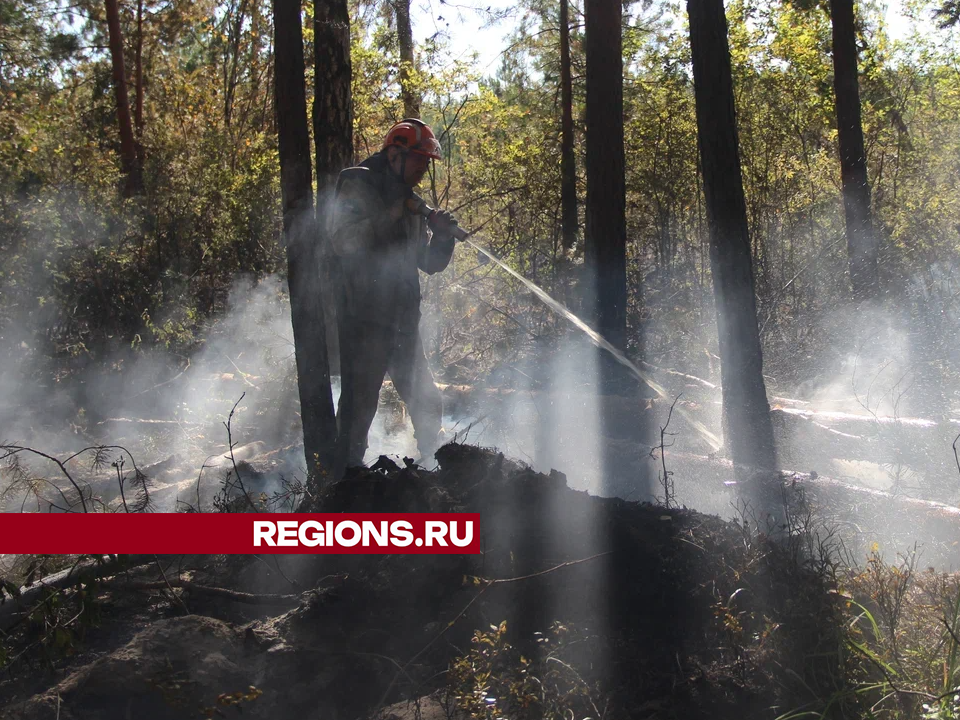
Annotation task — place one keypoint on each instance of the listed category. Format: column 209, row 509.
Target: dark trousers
column 368, row 351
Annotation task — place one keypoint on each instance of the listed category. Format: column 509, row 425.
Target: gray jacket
column 381, row 247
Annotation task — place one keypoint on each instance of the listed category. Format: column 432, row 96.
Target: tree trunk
column 138, row 112
column 605, row 300
column 746, row 412
column 309, row 338
column 568, row 169
column 606, row 227
column 255, row 62
column 411, row 101
column 128, row 150
column 333, row 136
column 862, row 245
column 332, row 102
column 231, row 62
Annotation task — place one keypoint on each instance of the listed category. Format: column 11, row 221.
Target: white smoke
column 160, row 407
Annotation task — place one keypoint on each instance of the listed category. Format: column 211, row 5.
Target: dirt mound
column 646, row 611
column 169, row 668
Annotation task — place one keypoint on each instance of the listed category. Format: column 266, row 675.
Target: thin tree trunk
column 255, row 63
column 254, row 60
column 748, row 431
column 233, row 58
column 313, row 374
column 411, row 101
column 606, row 228
column 333, row 137
column 862, row 244
column 128, row 150
column 138, row 113
column 568, row 169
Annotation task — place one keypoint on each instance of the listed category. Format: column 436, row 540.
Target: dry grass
column 905, row 630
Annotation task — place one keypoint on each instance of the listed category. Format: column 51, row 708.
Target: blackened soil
column 676, row 614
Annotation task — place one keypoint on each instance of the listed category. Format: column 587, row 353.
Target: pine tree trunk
column 333, row 136
column 606, row 228
column 128, row 149
column 605, row 236
column 862, row 245
column 411, row 101
column 332, row 103
column 748, row 431
column 309, row 338
column 138, row 112
column 568, row 168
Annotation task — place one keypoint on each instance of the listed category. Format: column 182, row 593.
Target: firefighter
column 381, row 246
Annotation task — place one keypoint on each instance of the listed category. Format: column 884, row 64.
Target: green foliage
column 97, row 273
column 495, row 681
column 948, row 14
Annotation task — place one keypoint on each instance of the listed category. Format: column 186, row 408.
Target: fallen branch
column 816, row 436
column 243, row 375
column 706, row 384
column 210, row 591
column 874, row 513
column 722, row 469
column 149, row 421
column 12, row 610
column 165, row 382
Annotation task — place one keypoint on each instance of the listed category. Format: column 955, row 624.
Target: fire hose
column 418, row 206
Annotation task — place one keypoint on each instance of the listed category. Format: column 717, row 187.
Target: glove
column 442, row 223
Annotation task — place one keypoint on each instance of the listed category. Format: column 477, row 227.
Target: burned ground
column 641, row 610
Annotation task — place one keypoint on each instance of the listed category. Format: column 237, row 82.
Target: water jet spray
column 419, row 206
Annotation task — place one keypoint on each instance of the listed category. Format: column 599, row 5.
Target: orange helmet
column 414, row 135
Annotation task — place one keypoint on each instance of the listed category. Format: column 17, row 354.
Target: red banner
column 223, row 534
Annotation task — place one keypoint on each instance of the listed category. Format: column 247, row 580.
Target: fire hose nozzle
column 418, row 206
